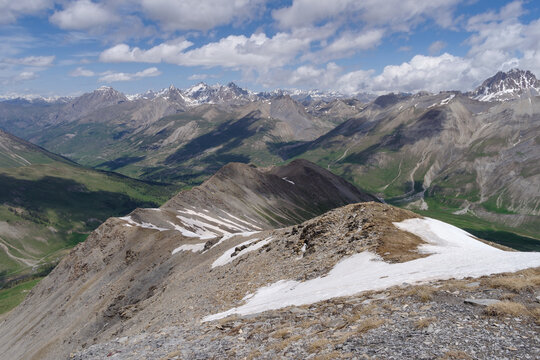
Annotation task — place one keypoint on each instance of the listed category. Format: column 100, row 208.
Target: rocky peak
column 507, row 86
column 105, row 93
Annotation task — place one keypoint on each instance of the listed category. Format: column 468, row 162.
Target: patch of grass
column 535, row 313
column 516, row 283
column 48, row 208
column 285, row 343
column 506, row 238
column 424, row 322
column 10, row 298
column 361, row 312
column 369, row 324
column 506, row 308
column 424, row 292
column 317, row 345
column 455, row 355
column 282, row 333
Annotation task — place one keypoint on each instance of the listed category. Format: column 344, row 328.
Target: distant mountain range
column 198, row 94
column 500, row 87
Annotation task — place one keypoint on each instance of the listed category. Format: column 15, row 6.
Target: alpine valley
column 468, row 158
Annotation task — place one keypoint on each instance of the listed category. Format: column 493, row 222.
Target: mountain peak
column 507, row 86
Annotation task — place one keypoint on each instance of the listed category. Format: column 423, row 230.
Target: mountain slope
column 507, row 86
column 199, row 258
column 446, row 154
column 151, row 140
column 48, row 203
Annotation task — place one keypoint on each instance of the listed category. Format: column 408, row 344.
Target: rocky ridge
column 409, row 322
column 150, row 287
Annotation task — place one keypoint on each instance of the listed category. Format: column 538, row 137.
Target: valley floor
column 432, row 321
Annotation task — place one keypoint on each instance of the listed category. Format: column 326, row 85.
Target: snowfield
column 189, row 247
column 454, row 254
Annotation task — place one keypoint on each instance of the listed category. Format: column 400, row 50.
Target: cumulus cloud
column 10, row 10
column 166, row 52
column 37, row 61
column 82, row 72
column 234, row 51
column 110, row 76
column 312, row 77
column 431, row 73
column 501, row 40
column 200, row 14
column 83, row 15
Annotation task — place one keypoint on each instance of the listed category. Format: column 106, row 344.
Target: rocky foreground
column 441, row 320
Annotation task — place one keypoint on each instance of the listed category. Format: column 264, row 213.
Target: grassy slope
column 48, row 208
column 10, row 298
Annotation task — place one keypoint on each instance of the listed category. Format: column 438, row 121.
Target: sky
column 68, row 47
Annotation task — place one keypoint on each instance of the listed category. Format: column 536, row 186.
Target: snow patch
column 454, row 254
column 189, row 247
column 229, row 236
column 221, row 221
column 187, row 233
column 287, row 180
column 227, row 255
column 144, row 225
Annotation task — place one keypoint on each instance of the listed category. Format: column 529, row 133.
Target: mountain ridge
column 134, row 276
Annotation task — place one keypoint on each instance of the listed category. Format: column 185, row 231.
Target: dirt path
column 394, row 179
column 5, row 246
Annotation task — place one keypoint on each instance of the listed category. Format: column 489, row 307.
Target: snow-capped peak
column 507, row 86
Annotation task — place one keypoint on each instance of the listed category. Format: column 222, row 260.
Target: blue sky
column 68, row 47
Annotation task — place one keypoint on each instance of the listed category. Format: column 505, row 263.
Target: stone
column 481, row 302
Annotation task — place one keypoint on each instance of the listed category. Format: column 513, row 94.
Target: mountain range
column 468, row 158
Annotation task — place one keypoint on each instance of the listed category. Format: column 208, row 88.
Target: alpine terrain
column 48, row 204
column 242, row 266
column 467, row 158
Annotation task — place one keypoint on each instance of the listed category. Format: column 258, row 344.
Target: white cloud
column 166, row 52
column 25, row 75
column 78, row 72
column 310, row 77
column 234, row 51
column 436, row 47
column 398, row 15
column 200, row 14
column 10, row 10
column 37, row 61
column 355, row 81
column 432, row 73
column 110, row 76
column 501, row 40
column 346, row 44
column 83, row 15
